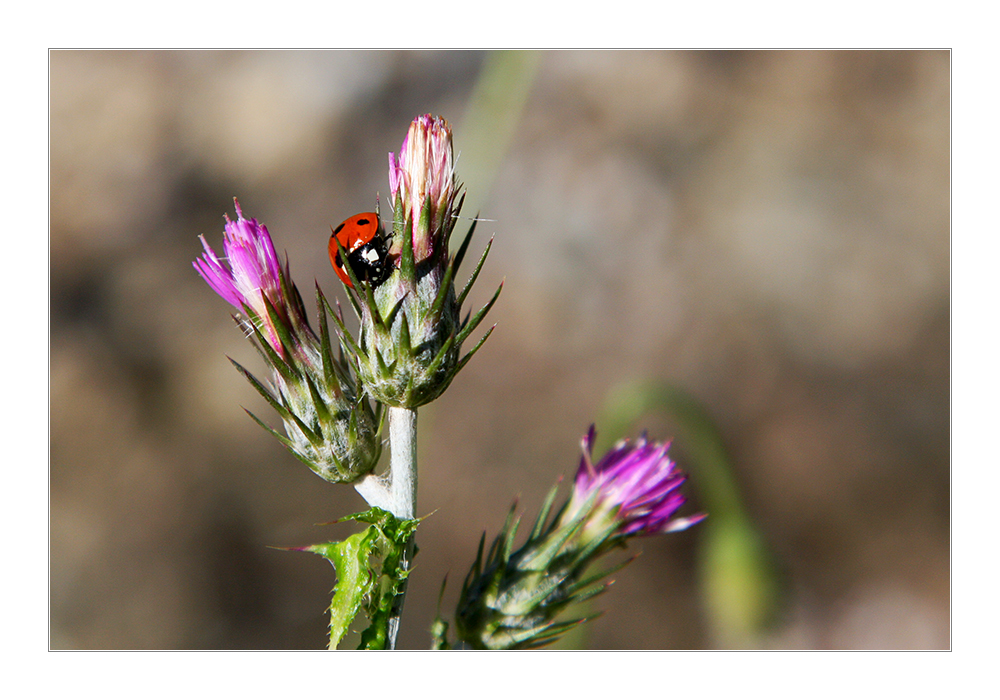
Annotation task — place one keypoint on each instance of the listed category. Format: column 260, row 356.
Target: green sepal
column 282, row 410
column 347, row 267
column 284, row 334
column 398, row 215
column 363, row 291
column 441, row 356
column 390, row 317
column 543, row 514
column 475, row 274
column 403, row 346
column 281, row 438
column 505, row 546
column 377, row 320
column 456, row 261
column 468, row 356
column 448, row 227
column 472, row 323
column 477, row 568
column 334, row 372
column 345, row 335
column 288, row 372
column 434, row 313
column 589, row 587
column 407, row 267
column 424, row 224
column 261, row 389
column 341, row 471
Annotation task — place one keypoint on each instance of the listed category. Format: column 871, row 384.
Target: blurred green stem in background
column 493, row 114
column 738, row 576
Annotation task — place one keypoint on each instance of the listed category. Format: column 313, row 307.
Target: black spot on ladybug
column 360, row 222
column 338, row 229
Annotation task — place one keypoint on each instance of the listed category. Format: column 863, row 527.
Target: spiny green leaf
column 332, row 372
column 322, row 411
column 448, row 227
column 373, row 310
column 439, row 359
column 347, row 338
column 354, row 580
column 539, row 557
column 346, row 267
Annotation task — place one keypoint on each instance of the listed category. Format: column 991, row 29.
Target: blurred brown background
column 767, row 230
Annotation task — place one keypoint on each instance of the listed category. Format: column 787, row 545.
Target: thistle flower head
column 412, row 328
column 328, row 425
column 512, row 598
column 636, row 484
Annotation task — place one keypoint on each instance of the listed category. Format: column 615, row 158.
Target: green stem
column 403, row 491
column 403, row 464
column 397, row 491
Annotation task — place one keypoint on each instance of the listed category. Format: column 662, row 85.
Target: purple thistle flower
column 254, row 272
column 635, row 483
column 329, row 425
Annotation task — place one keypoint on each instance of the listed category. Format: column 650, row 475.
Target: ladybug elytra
column 363, row 238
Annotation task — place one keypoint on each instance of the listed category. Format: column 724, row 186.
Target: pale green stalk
column 398, row 493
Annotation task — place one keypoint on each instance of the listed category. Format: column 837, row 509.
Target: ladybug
column 364, row 239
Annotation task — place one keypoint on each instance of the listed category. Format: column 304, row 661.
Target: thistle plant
column 406, row 352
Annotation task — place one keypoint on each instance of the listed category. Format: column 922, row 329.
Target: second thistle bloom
column 512, row 599
column 635, row 486
column 412, row 332
column 328, row 426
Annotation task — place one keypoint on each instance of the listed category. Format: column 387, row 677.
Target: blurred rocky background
column 768, row 231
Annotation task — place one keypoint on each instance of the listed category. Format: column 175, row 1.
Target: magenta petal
column 639, row 481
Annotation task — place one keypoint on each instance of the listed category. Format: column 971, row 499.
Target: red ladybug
column 364, row 239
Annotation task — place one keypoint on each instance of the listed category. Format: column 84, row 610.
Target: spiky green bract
column 329, row 424
column 412, row 330
column 410, row 344
column 370, row 575
column 512, row 599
